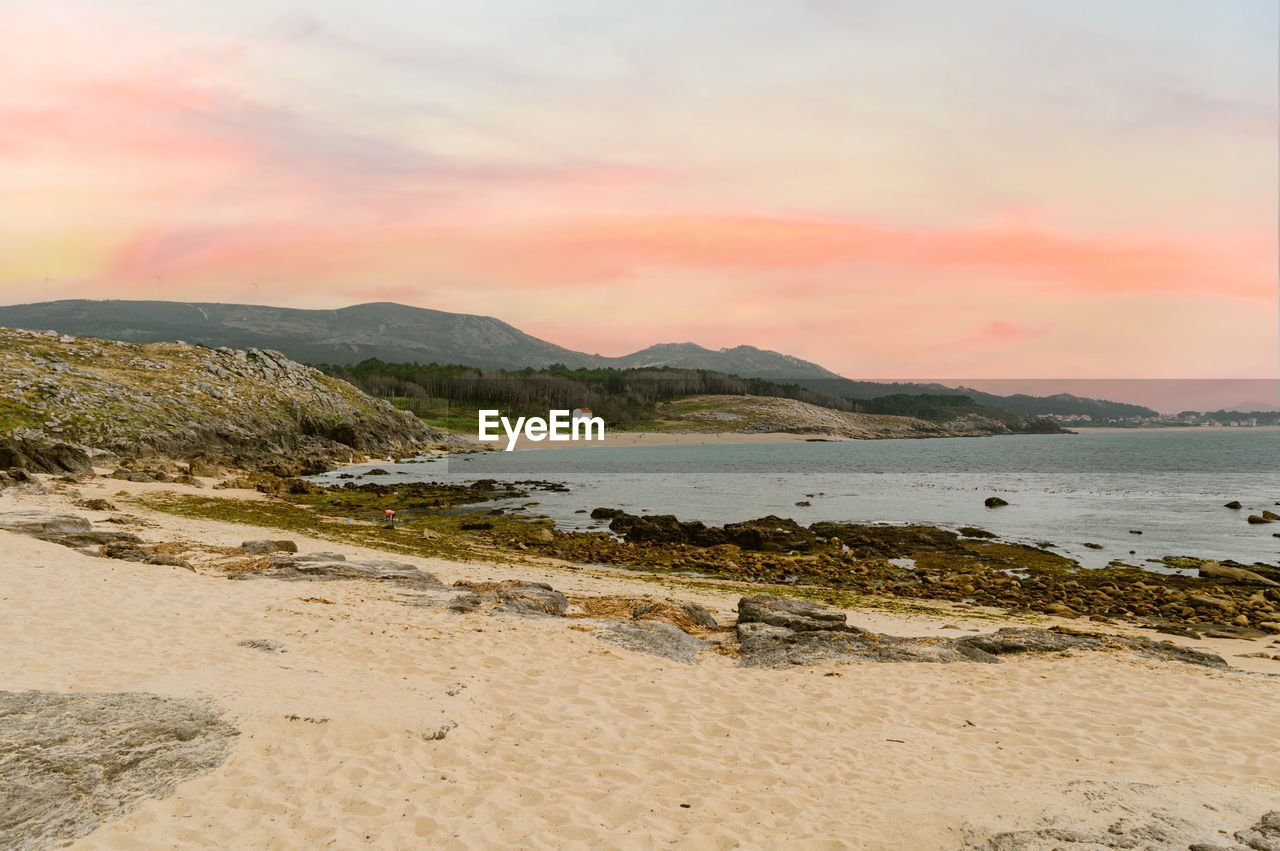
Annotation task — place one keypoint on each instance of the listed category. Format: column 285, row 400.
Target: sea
column 1139, row 495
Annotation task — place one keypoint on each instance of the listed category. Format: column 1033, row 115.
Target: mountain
column 389, row 332
column 745, row 361
column 397, row 333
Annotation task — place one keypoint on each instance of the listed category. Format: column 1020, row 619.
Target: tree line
column 623, row 397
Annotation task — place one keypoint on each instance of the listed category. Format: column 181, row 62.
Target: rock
column 1234, row 505
column 261, row 547
column 1206, row 602
column 1263, row 836
column 1270, row 515
column 1135, row 531
column 790, row 613
column 43, row 524
column 655, row 638
column 1256, row 520
column 70, row 762
column 530, row 598
column 994, row 502
column 200, row 467
column 1169, row 652
column 1234, row 574
column 542, row 536
column 765, row 646
column 464, row 603
column 125, row 551
column 606, row 513
column 311, row 568
column 170, row 561
column 1236, row 630
column 1272, row 627
column 1019, row 640
column 96, row 505
column 266, row 645
column 38, row 457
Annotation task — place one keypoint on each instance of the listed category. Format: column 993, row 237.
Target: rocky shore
column 66, row 402
column 273, row 667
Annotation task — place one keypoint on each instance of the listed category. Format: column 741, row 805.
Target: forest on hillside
column 623, row 397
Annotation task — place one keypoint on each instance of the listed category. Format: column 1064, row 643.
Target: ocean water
column 1063, row 490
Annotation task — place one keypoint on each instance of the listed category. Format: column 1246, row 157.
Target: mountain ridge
column 397, row 333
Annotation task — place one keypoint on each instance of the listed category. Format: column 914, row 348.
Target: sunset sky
column 891, row 188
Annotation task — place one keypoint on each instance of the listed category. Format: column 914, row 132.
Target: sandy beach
column 553, row 738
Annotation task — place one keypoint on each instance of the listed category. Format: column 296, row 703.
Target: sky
column 891, row 188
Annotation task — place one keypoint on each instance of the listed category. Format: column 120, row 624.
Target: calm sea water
column 1063, row 489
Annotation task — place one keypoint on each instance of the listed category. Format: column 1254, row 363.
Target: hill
column 252, row 409
column 397, row 333
column 764, row 414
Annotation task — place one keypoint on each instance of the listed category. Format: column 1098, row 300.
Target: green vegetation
column 450, row 394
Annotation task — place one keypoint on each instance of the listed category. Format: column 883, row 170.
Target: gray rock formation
column 764, row 646
column 70, row 530
column 799, row 615
column 819, row 635
column 70, row 762
column 653, row 637
column 36, row 456
column 260, row 547
column 325, row 567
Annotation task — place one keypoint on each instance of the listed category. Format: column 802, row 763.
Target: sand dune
column 348, row 736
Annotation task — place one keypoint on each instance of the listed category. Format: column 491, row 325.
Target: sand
column 564, row 741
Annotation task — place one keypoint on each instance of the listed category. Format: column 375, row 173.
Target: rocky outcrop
column 70, row 762
column 36, row 456
column 654, row 638
column 777, row 632
column 518, row 597
column 770, row 534
column 327, row 567
column 790, row 613
column 248, row 408
column 69, row 530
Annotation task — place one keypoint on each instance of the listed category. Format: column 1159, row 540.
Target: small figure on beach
column 390, row 514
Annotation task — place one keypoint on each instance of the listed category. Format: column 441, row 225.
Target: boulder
column 170, row 561
column 1214, row 570
column 1234, row 505
column 655, row 638
column 309, row 568
column 97, row 505
column 261, row 547
column 38, row 457
column 765, row 646
column 125, row 551
column 1263, row 836
column 790, row 613
column 70, row 762
column 530, row 598
column 1019, row 640
column 994, row 502
column 43, row 524
column 1256, row 520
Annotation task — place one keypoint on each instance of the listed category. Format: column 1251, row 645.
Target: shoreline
column 366, row 713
